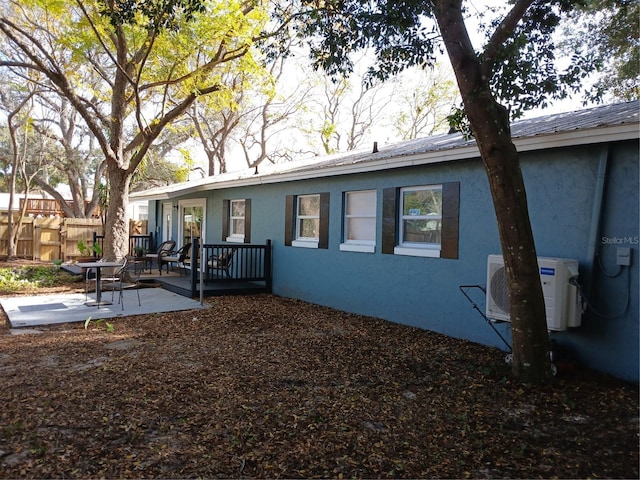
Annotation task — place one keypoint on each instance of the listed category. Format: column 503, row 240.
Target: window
column 422, row 220
column 143, row 212
column 359, row 233
column 421, row 217
column 307, row 220
column 236, row 221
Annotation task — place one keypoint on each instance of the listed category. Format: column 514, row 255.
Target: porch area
column 229, row 269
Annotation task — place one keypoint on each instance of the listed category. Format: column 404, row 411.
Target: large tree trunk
column 491, row 128
column 11, row 225
column 13, row 179
column 530, row 343
column 116, row 235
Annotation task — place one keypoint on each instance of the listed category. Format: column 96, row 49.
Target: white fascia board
column 628, row 131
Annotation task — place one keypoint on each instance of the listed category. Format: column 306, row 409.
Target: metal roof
column 593, row 125
column 610, row 115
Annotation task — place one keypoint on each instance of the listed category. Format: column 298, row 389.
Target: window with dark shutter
column 236, row 220
column 421, row 220
column 307, row 220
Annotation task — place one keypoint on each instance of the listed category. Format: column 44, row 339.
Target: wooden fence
column 56, row 238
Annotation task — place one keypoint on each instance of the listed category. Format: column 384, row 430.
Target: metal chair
column 88, row 280
column 110, row 275
column 128, row 278
column 103, row 279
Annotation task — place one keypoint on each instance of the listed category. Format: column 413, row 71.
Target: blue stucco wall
column 423, row 292
column 561, row 188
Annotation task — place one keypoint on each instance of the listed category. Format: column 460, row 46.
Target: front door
column 192, row 217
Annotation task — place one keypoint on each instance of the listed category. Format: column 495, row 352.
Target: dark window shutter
column 450, row 219
column 389, row 219
column 323, row 235
column 288, row 219
column 226, row 205
column 247, row 220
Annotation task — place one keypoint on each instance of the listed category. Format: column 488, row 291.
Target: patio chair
column 178, row 257
column 127, row 278
column 165, row 249
column 89, row 280
column 222, row 262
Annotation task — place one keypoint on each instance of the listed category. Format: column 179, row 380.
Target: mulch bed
column 263, row 386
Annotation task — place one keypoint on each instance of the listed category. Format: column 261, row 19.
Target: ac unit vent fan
column 499, row 292
column 561, row 299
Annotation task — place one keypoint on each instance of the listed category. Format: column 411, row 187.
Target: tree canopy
column 519, row 56
column 607, row 32
column 129, row 69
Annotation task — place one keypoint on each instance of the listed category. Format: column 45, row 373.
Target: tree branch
column 144, row 139
column 503, row 31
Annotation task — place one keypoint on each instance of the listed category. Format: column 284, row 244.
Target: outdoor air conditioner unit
column 561, row 299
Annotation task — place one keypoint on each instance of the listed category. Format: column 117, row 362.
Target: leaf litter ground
column 268, row 387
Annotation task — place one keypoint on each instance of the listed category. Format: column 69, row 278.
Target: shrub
column 20, row 279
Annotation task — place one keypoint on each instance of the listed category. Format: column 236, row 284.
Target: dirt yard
column 267, row 387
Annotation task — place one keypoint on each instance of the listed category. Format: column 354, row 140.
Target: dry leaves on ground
column 262, row 386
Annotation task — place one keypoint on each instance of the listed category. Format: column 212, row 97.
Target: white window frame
column 143, row 212
column 233, row 236
column 351, row 245
column 305, row 242
column 416, row 249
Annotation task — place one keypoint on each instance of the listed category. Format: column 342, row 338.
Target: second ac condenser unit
column 561, row 299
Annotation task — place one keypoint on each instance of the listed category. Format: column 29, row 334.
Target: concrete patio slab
column 63, row 308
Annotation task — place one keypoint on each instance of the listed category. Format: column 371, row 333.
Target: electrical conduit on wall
column 596, row 216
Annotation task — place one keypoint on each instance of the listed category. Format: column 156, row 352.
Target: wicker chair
column 166, row 248
column 222, row 262
column 178, row 257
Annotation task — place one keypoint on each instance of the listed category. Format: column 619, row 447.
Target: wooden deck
column 181, row 284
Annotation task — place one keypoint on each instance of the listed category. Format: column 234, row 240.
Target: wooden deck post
column 267, row 266
column 195, row 255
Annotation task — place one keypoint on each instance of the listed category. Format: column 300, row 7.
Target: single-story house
column 394, row 232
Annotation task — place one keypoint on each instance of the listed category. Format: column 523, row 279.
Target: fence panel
column 47, row 239
column 57, row 238
column 24, row 248
column 76, row 229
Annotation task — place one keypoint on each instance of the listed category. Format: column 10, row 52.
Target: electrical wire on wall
column 574, row 281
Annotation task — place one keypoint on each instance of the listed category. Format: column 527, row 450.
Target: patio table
column 98, row 266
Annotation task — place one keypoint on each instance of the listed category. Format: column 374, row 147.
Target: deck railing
column 142, row 241
column 232, row 262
